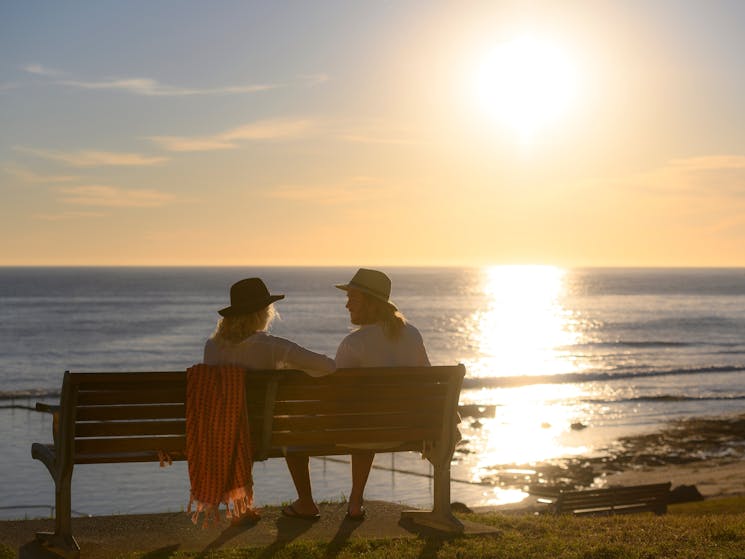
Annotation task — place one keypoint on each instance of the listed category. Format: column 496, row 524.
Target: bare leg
column 361, row 465
column 300, row 472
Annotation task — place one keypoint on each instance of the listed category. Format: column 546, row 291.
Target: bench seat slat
column 325, row 449
column 117, row 457
column 129, row 444
column 347, row 421
column 353, row 436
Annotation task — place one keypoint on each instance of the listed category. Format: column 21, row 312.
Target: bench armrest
column 55, row 411
column 47, row 408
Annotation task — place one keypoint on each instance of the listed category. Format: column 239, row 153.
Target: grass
column 709, row 529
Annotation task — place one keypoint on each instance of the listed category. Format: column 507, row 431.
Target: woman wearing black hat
column 241, row 338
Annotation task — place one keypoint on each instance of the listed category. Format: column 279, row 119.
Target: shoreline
column 709, row 451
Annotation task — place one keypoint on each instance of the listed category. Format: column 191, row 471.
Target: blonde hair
column 392, row 320
column 233, row 330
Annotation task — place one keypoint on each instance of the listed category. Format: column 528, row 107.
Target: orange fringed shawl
column 218, row 443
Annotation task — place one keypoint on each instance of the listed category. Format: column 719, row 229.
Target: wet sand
column 708, row 452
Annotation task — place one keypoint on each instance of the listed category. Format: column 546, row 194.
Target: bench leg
column 62, row 540
column 440, row 517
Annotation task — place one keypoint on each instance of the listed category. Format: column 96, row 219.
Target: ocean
column 561, row 361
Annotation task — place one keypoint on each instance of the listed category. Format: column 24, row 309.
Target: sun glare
column 526, row 83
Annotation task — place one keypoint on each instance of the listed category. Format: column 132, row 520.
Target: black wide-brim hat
column 248, row 296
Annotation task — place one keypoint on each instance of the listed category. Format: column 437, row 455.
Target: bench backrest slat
column 361, row 376
column 129, row 428
column 132, row 395
column 377, row 392
column 113, row 413
column 349, row 407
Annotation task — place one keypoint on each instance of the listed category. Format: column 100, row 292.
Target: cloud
column 65, row 216
column 39, row 70
column 359, row 189
column 153, row 88
column 150, row 87
column 113, row 197
column 96, row 158
column 33, row 177
column 273, row 129
column 699, row 176
column 314, row 79
column 375, row 132
column 7, row 86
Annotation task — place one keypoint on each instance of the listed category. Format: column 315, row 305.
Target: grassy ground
column 710, row 529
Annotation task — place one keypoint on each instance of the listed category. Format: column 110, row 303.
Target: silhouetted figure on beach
column 383, row 339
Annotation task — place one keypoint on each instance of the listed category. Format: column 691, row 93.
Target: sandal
column 291, row 512
column 251, row 517
column 360, row 516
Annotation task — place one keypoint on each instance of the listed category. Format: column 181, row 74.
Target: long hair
column 392, row 320
column 233, row 330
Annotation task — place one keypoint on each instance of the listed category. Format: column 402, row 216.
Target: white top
column 369, row 347
column 264, row 351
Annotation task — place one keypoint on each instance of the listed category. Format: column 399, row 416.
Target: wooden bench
column 612, row 500
column 134, row 417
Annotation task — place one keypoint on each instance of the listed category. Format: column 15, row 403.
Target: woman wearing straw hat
column 383, row 339
column 241, row 336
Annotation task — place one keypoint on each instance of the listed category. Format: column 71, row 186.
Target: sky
column 361, row 133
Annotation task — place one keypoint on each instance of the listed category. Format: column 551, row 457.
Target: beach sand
column 712, row 478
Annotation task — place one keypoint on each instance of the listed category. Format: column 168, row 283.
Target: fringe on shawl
column 238, row 503
column 164, row 458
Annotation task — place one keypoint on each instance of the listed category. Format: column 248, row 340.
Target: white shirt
column 370, row 347
column 264, row 351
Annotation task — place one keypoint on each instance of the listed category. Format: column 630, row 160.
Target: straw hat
column 247, row 296
column 371, row 282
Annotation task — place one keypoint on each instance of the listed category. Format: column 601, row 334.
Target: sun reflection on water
column 522, row 330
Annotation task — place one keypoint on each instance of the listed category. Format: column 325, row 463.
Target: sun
column 526, row 83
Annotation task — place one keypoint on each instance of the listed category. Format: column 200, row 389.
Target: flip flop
column 290, row 512
column 360, row 516
column 249, row 518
